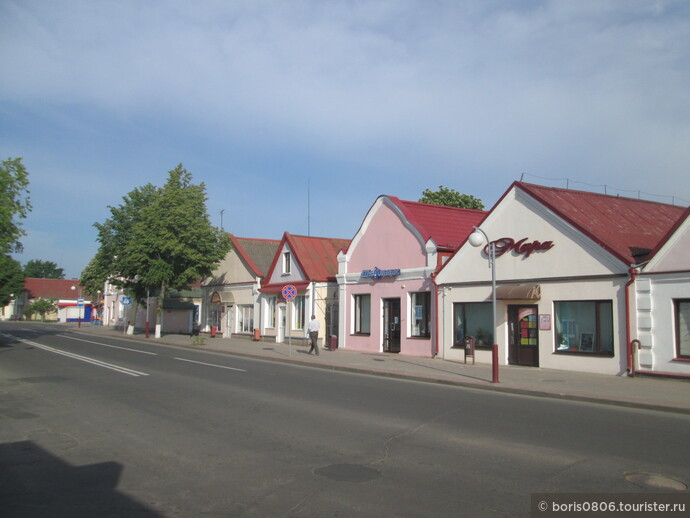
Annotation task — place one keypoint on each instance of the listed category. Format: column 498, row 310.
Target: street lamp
column 478, row 238
column 79, row 301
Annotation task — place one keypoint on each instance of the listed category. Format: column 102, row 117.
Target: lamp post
column 79, row 301
column 478, row 238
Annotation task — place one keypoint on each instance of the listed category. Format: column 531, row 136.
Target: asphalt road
column 108, row 427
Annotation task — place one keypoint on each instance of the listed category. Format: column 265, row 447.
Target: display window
column 420, row 306
column 473, row 320
column 682, row 310
column 362, row 314
column 584, row 327
column 245, row 315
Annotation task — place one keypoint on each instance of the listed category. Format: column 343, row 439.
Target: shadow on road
column 34, row 483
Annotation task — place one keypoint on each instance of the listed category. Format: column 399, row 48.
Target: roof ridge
column 528, row 186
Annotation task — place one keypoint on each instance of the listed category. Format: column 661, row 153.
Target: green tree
column 40, row 306
column 37, row 269
column 11, row 279
column 174, row 243
column 14, row 203
column 451, row 198
column 159, row 238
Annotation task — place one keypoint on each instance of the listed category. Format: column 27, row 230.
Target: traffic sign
column 80, row 302
column 125, row 301
column 289, row 292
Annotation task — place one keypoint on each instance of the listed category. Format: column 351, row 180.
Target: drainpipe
column 631, row 281
column 436, row 327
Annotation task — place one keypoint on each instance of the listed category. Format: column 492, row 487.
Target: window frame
column 426, row 313
column 357, row 314
column 596, row 344
column 241, row 318
column 287, row 263
column 460, row 344
column 676, row 314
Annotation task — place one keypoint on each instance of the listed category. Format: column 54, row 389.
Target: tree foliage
column 37, row 269
column 158, row 238
column 14, row 203
column 11, row 279
column 41, row 306
column 451, row 198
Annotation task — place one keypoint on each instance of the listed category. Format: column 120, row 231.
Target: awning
column 519, row 292
column 278, row 288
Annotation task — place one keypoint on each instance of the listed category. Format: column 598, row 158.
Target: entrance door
column 391, row 325
column 523, row 332
column 280, row 337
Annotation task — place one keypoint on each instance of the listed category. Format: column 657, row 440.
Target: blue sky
column 263, row 100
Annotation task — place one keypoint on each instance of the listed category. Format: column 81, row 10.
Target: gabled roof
column 626, row 227
column 52, row 288
column 447, row 226
column 258, row 254
column 317, row 257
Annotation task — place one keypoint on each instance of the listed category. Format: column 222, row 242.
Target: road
column 113, row 427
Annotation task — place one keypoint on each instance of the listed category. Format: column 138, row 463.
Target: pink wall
column 386, row 243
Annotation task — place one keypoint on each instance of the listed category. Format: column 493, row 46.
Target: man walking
column 313, row 330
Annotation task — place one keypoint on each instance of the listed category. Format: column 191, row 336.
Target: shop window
column 270, row 312
column 584, row 327
column 473, row 319
column 420, row 306
column 682, row 310
column 300, row 312
column 363, row 314
column 287, row 262
column 245, row 315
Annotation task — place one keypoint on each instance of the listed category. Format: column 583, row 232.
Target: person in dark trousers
column 313, row 333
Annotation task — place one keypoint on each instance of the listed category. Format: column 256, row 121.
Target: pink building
column 386, row 276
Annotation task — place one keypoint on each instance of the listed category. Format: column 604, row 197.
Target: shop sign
column 215, row 298
column 377, row 273
column 521, row 247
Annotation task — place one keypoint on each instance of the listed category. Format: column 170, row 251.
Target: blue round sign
column 289, row 292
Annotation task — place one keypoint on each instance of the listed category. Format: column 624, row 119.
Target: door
column 391, row 325
column 280, row 337
column 523, row 333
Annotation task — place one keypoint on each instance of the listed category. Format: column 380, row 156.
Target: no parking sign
column 289, row 292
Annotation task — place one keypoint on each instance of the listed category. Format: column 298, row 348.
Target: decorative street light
column 79, row 303
column 478, row 238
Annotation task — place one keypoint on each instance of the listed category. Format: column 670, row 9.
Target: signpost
column 125, row 301
column 289, row 293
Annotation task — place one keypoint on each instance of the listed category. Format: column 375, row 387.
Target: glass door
column 391, row 325
column 523, row 332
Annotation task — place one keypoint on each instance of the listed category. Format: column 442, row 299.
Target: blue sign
column 289, row 292
column 125, row 301
column 80, row 302
column 377, row 273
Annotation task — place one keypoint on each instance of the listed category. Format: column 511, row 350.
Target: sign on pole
column 125, row 301
column 80, row 302
column 289, row 292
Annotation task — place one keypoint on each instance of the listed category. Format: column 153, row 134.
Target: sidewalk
column 640, row 392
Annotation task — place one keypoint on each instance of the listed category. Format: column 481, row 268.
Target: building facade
column 385, row 277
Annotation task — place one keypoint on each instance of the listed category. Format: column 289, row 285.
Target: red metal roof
column 317, row 256
column 447, row 226
column 52, row 288
column 627, row 227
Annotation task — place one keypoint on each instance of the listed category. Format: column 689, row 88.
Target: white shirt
column 313, row 326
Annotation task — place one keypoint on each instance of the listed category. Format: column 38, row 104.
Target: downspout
column 631, row 360
column 436, row 327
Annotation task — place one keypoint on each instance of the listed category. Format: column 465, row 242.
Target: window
column 584, row 327
column 286, row 262
column 270, row 307
column 475, row 319
column 420, row 305
column 682, row 310
column 300, row 307
column 245, row 314
column 363, row 314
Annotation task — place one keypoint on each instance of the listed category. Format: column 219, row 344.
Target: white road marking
column 211, row 365
column 93, row 361
column 108, row 345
